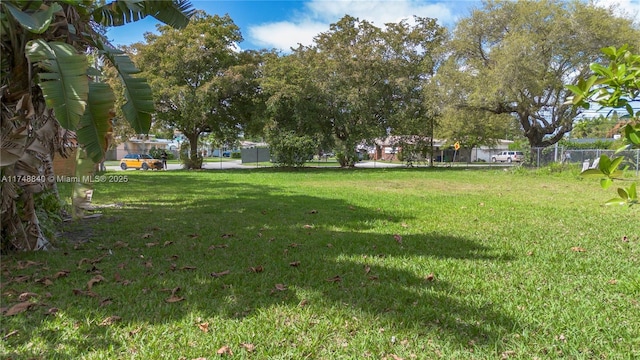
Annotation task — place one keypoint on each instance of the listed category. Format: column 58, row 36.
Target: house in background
column 484, row 153
column 142, row 145
column 387, row 149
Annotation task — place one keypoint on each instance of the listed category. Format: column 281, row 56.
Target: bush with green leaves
column 289, row 149
column 615, row 86
column 157, row 153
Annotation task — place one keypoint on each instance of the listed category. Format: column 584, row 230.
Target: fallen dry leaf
column 44, row 281
column 120, row 244
column 578, row 249
column 193, row 236
column 336, row 278
column 294, row 263
column 373, row 277
column 147, row 235
column 96, row 279
column 21, row 278
column 188, row 268
column 307, row 226
column 304, row 302
column 221, row 246
column 204, row 327
column 174, row 299
column 26, row 296
column 367, row 269
column 52, row 311
column 86, row 293
column 61, row 273
column 281, row 287
column 225, row 350
column 395, row 357
column 313, row 212
column 397, row 238
column 152, row 244
column 256, row 269
column 507, row 354
column 220, row 274
column 248, row 347
column 167, row 243
column 430, row 277
column 105, row 302
column 110, row 320
column 18, row 308
column 294, row 245
column 25, row 264
column 91, row 261
column 226, row 236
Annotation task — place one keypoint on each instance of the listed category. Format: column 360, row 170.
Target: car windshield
column 146, row 156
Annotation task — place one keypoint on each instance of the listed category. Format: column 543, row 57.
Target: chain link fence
column 586, row 157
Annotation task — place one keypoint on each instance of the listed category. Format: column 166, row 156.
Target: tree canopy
column 357, row 82
column 515, row 57
column 201, row 82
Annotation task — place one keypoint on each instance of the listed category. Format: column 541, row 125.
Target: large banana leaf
column 64, row 80
column 37, row 21
column 95, row 124
column 139, row 106
column 175, row 13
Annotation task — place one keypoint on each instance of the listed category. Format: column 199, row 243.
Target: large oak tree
column 202, row 83
column 515, row 57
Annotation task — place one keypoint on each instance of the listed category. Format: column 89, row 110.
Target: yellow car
column 140, row 161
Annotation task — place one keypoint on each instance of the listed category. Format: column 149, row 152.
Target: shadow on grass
column 211, row 241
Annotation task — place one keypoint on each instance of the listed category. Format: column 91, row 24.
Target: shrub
column 290, row 150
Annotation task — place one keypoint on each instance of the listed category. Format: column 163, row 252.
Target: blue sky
column 282, row 24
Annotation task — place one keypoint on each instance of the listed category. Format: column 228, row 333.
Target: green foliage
column 49, row 209
column 616, row 85
column 513, row 57
column 157, row 153
column 357, row 82
column 201, row 83
column 598, row 144
column 597, row 127
column 236, row 155
column 47, row 51
column 290, row 150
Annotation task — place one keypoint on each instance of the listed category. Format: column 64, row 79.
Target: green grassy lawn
column 333, row 264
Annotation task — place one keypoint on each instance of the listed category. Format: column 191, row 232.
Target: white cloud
column 319, row 14
column 381, row 12
column 629, row 8
column 284, row 35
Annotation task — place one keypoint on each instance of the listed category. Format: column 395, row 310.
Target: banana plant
column 615, row 86
column 50, row 93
